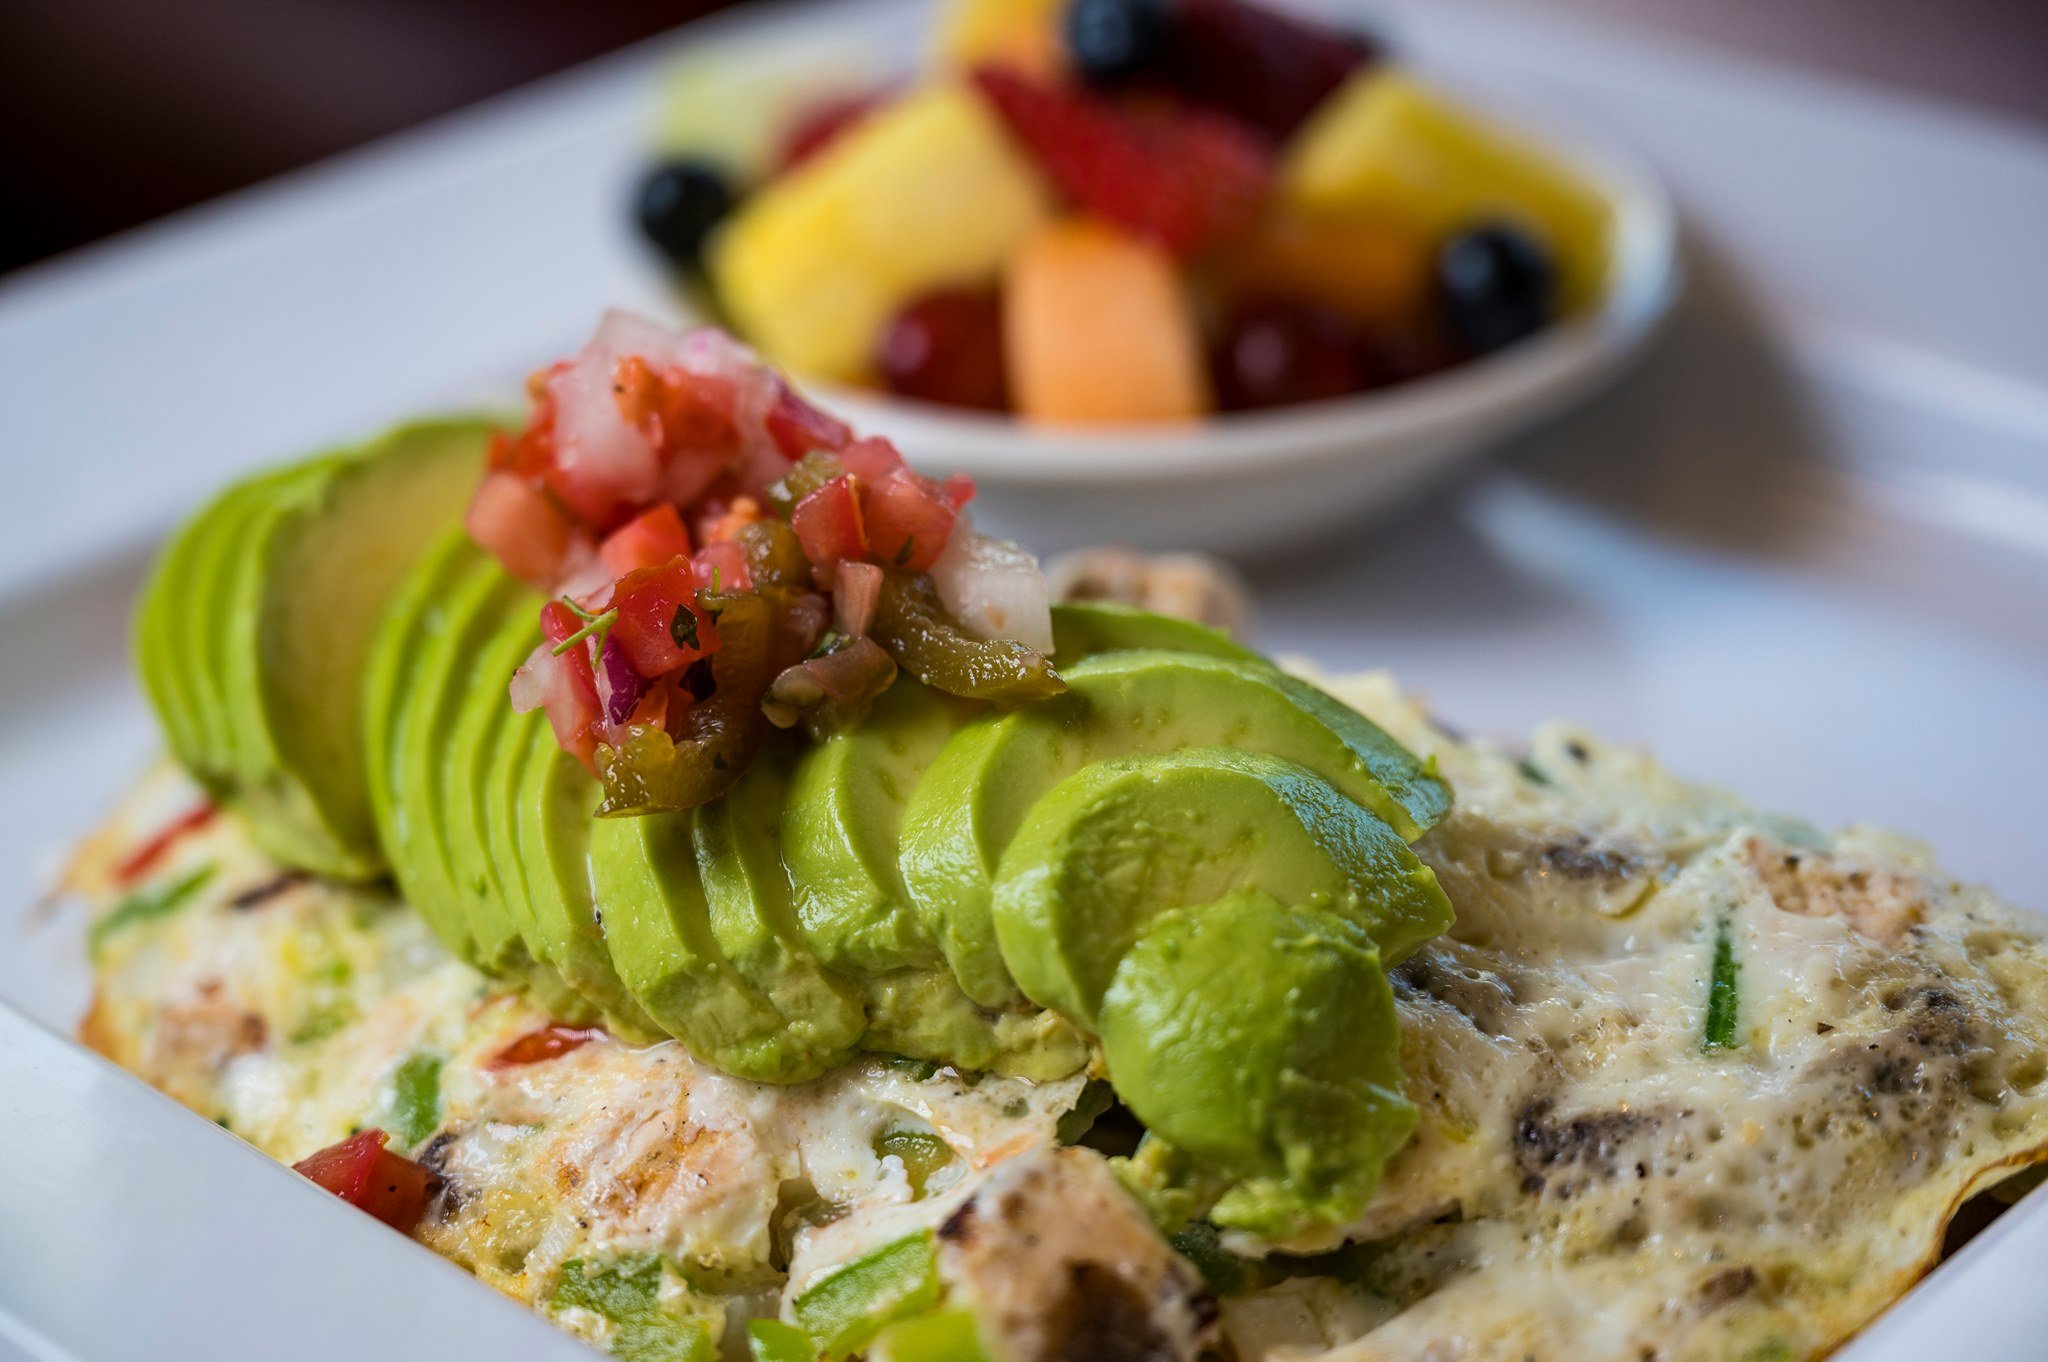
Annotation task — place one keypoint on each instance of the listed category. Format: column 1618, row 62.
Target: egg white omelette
column 1695, row 1082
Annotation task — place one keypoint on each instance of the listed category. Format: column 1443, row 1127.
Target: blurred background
column 113, row 112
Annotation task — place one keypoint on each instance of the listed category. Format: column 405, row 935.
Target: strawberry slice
column 1182, row 178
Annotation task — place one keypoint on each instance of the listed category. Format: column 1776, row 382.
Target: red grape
column 1276, row 354
column 946, row 347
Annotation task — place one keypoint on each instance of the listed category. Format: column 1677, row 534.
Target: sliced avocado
column 840, row 826
column 753, row 916
column 222, row 666
column 305, row 584
column 456, row 628
column 978, row 789
column 542, row 803
column 1262, row 1040
column 1119, row 842
column 1084, row 628
column 416, row 619
column 658, row 923
column 922, row 1014
column 171, row 620
column 483, row 711
column 839, row 830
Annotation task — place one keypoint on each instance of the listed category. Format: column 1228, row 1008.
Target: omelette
column 1691, row 1080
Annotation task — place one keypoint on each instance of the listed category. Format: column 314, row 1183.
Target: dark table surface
column 113, row 112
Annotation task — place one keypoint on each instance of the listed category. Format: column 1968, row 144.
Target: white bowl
column 1246, row 483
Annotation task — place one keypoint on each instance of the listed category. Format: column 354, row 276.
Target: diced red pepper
column 660, row 626
column 137, row 863
column 828, row 522
column 797, row 427
column 909, row 517
column 362, row 1172
column 648, row 540
column 522, row 526
column 537, row 1047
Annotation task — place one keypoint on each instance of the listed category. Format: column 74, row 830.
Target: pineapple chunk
column 1098, row 330
column 1385, row 146
column 1023, row 35
column 926, row 194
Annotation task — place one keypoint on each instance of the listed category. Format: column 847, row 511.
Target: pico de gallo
column 722, row 559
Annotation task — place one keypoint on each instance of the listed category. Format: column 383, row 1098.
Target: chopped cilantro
column 151, row 901
column 683, row 628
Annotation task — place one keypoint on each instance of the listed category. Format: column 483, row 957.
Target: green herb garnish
column 1721, row 992
column 683, row 628
column 595, row 626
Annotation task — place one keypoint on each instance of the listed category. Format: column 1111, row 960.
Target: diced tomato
column 660, row 626
column 137, row 863
column 598, row 504
column 960, row 487
column 362, row 1172
column 648, row 540
column 522, row 526
column 828, row 523
column 870, row 459
column 797, row 427
column 722, row 524
column 909, row 518
column 548, row 1042
column 723, row 567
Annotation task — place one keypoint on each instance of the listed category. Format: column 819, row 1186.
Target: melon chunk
column 1097, row 329
column 1387, row 147
column 929, row 193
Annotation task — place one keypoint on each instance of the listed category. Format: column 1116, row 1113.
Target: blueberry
column 1495, row 285
column 1114, row 40
column 678, row 205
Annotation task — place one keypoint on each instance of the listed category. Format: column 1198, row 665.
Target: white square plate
column 1803, row 552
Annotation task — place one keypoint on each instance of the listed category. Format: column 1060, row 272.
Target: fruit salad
column 1104, row 212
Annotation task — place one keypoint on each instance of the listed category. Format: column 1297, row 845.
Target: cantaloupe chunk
column 928, row 193
column 1097, row 329
column 1386, row 146
column 1023, row 35
column 1375, row 271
